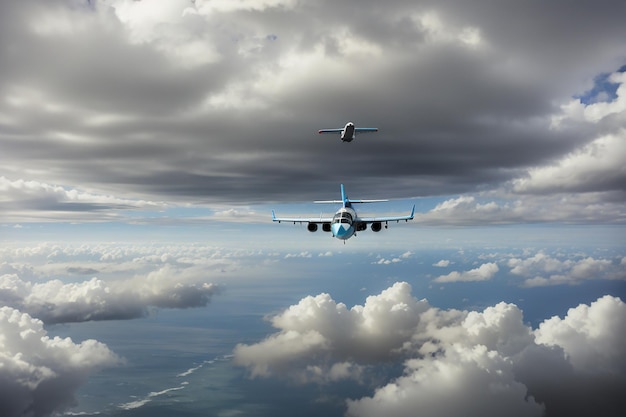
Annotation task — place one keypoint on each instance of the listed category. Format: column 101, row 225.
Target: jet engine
column 376, row 226
column 312, row 227
column 326, row 227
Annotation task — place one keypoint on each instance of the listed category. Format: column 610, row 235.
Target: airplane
column 345, row 223
column 348, row 132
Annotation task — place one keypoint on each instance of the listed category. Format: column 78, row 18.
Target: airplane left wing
column 387, row 218
column 301, row 219
column 330, row 131
column 365, row 129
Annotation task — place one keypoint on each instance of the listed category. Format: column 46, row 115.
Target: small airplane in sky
column 349, row 131
column 345, row 223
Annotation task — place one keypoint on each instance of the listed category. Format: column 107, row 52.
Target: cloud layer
column 544, row 270
column 218, row 103
column 471, row 362
column 121, row 281
column 56, row 302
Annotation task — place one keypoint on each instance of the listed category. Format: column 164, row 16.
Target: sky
column 143, row 145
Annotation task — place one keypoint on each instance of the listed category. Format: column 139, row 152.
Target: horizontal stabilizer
column 328, row 202
column 349, row 201
column 367, row 201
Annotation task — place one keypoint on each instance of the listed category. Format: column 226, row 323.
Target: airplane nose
column 340, row 230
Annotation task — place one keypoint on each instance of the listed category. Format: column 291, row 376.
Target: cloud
column 303, row 254
column 39, row 374
column 384, row 261
column 595, row 167
column 236, row 215
column 442, row 263
column 219, row 103
column 455, row 362
column 502, row 368
column 544, row 270
column 596, row 111
column 467, row 381
column 482, row 273
column 504, row 206
column 320, row 327
column 56, row 302
column 577, row 368
column 590, row 335
column 394, row 259
column 32, row 199
column 130, row 280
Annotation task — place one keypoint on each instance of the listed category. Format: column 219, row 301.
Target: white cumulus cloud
column 320, row 327
column 482, row 273
column 120, row 281
column 442, row 263
column 57, row 302
column 39, row 374
column 544, row 270
column 472, row 363
column 466, row 381
column 592, row 336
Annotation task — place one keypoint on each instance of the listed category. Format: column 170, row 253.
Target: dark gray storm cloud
column 219, row 102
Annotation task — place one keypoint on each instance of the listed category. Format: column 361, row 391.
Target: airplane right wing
column 330, row 131
column 318, row 220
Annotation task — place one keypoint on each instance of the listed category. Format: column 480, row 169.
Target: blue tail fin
column 344, row 197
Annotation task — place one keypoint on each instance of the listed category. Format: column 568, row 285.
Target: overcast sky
column 512, row 110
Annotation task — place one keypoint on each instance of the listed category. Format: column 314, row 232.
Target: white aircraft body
column 349, row 131
column 345, row 223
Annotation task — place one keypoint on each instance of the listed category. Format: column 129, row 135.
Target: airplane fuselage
column 348, row 133
column 343, row 225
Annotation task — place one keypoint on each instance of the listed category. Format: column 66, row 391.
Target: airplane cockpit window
column 342, row 218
